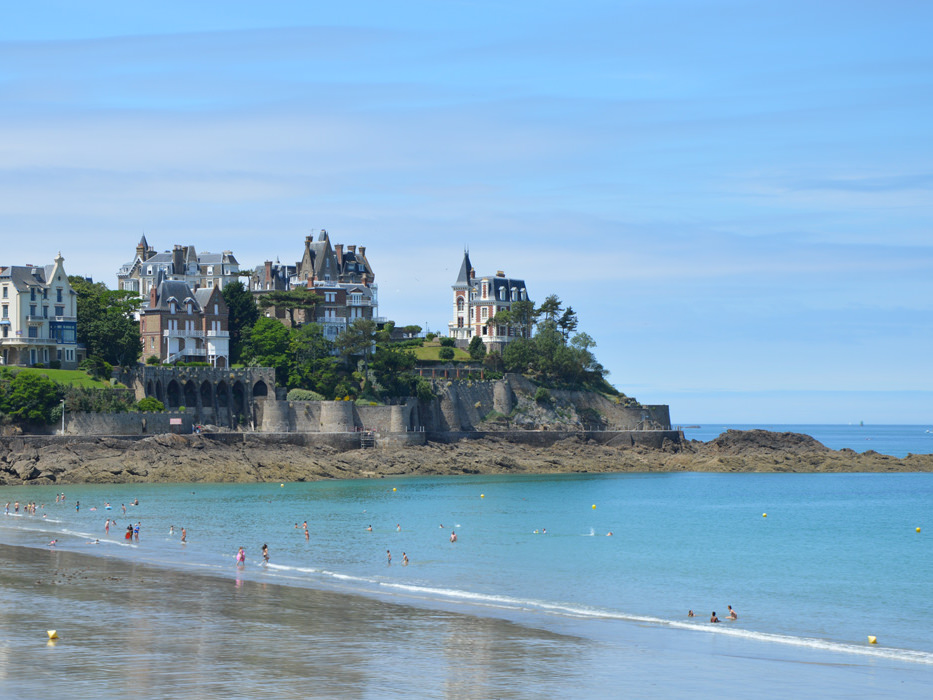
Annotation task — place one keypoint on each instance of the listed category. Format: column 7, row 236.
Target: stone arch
column 150, row 390
column 207, row 394
column 221, row 362
column 260, row 389
column 173, row 394
column 239, row 398
column 158, row 392
column 191, row 394
column 223, row 394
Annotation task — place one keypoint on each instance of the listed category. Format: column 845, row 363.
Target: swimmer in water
column 369, row 529
column 690, row 613
column 733, row 615
column 713, row 618
column 453, row 536
column 404, row 559
column 388, row 557
column 265, row 554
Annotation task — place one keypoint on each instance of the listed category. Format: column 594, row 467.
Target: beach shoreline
column 128, row 627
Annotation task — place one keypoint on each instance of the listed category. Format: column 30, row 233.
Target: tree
column 107, row 324
column 29, row 397
column 392, row 370
column 477, row 348
column 550, row 308
column 293, row 300
column 446, row 353
column 524, row 316
column 268, row 346
column 357, row 340
column 568, row 322
column 243, row 315
column 313, row 365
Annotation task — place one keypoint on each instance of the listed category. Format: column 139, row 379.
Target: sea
column 556, row 586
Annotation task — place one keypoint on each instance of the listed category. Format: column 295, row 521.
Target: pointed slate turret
column 465, row 268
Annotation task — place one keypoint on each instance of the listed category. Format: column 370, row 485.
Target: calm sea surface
column 507, row 611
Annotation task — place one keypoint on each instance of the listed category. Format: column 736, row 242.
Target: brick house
column 184, row 325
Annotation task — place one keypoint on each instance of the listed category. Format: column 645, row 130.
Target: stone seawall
column 546, row 438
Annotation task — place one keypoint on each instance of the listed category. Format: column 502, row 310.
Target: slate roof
column 465, row 267
column 174, row 289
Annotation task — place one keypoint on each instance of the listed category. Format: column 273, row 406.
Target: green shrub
column 477, row 348
column 152, row 360
column 448, row 342
column 446, row 353
column 304, row 395
column 542, row 395
column 430, row 336
column 150, row 403
column 493, row 416
column 55, row 364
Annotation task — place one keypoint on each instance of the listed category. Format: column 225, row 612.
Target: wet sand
column 133, row 630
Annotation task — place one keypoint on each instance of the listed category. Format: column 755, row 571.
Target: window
column 6, row 331
column 32, row 294
column 59, row 310
column 485, row 313
column 5, row 293
column 460, row 304
column 45, row 312
column 33, row 332
column 32, row 309
column 217, row 309
column 188, row 307
column 58, row 295
column 210, row 270
column 172, row 308
column 6, row 311
column 45, row 293
column 149, row 270
column 59, row 355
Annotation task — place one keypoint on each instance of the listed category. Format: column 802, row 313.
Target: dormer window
column 188, row 307
column 172, row 308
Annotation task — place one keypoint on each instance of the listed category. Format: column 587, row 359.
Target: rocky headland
column 197, row 458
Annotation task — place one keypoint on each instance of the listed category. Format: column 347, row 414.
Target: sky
column 735, row 197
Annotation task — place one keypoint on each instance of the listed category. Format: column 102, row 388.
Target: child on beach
column 241, row 557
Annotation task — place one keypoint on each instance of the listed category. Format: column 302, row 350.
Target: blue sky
column 734, row 196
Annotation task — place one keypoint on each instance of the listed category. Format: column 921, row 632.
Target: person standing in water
column 388, row 558
column 265, row 554
column 733, row 615
column 241, row 557
column 184, row 535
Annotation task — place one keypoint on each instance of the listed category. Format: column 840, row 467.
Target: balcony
column 195, row 334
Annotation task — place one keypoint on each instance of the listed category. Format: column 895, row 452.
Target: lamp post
column 63, row 416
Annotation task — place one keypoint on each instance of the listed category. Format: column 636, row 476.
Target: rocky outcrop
column 197, row 458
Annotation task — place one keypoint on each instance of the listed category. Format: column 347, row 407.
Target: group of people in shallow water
column 733, row 615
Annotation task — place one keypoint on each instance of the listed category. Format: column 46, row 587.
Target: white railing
column 195, row 334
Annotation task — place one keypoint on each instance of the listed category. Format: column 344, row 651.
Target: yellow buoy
column 482, row 495
column 53, row 634
column 594, row 506
column 918, row 529
column 764, row 515
column 872, row 640
column 282, row 485
column 394, row 489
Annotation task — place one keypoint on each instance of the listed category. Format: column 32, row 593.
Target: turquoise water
column 895, row 440
column 836, row 559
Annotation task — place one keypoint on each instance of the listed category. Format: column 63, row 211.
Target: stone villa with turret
column 477, row 300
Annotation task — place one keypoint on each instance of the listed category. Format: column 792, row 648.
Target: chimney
column 338, row 251
column 500, row 273
column 178, row 260
column 472, row 274
column 362, row 251
column 351, row 248
column 268, row 271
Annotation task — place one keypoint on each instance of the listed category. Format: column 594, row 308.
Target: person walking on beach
column 733, row 615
